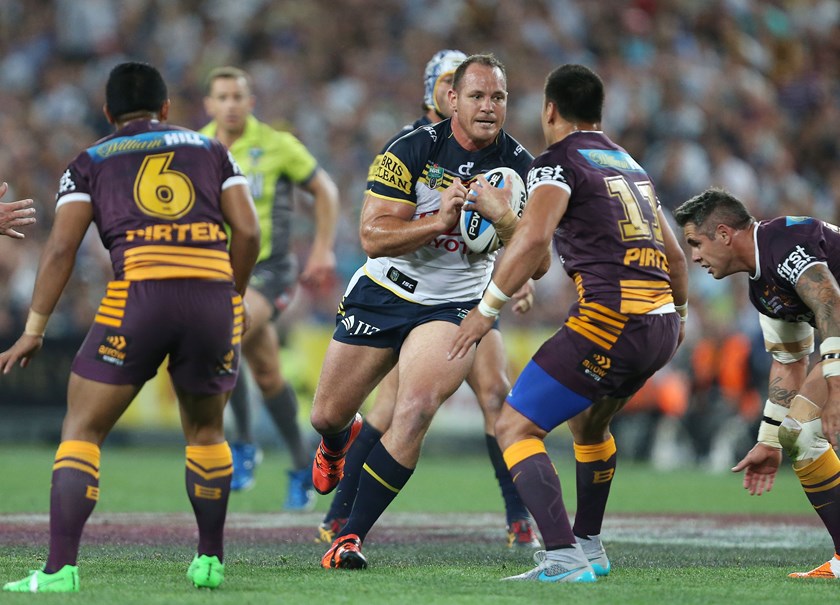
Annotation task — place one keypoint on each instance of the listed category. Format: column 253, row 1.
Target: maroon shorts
column 587, row 364
column 197, row 323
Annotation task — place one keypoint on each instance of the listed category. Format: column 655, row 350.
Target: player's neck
column 136, row 116
column 563, row 129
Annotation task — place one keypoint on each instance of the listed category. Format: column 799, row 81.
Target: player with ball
column 403, row 306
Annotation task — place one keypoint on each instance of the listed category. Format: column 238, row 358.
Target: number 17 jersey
column 609, row 240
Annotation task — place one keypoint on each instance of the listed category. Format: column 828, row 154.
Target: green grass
column 411, row 570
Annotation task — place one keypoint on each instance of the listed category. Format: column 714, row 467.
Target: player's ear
column 164, row 111
column 108, row 115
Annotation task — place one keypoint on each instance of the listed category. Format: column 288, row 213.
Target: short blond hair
column 228, row 71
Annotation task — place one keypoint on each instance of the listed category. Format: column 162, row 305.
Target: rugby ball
column 478, row 233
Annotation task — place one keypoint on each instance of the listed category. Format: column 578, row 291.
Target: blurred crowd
column 741, row 94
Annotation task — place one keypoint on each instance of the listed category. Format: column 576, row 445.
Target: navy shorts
column 570, row 371
column 197, row 323
column 372, row 316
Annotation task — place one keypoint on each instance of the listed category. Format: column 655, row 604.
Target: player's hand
column 472, row 328
column 22, row 351
column 452, row 199
column 319, row 272
column 491, row 202
column 15, row 214
column 524, row 298
column 760, row 465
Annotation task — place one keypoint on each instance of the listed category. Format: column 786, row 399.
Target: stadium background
column 735, row 93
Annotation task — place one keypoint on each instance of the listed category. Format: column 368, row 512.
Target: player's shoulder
column 416, row 144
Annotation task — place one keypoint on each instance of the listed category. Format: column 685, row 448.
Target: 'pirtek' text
column 191, row 232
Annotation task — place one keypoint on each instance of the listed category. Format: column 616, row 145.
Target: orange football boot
column 328, row 466
column 345, row 553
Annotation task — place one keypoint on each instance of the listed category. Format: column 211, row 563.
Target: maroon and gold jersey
column 784, row 248
column 609, row 240
column 156, row 191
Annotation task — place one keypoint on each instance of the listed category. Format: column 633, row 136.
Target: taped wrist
column 683, row 311
column 768, row 430
column 505, row 226
column 493, row 300
column 830, row 356
column 36, row 324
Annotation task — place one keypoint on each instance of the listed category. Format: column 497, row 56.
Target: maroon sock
column 209, row 470
column 595, row 465
column 73, row 495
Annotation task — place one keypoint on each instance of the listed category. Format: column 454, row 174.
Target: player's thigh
column 427, row 377
column 262, row 352
column 94, row 407
column 488, row 377
column 260, row 312
column 348, row 375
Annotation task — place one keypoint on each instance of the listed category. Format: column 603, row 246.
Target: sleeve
column 298, row 164
column 545, row 171
column 794, row 254
column 399, row 169
column 74, row 185
column 231, row 173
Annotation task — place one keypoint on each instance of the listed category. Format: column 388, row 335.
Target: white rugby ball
column 478, row 232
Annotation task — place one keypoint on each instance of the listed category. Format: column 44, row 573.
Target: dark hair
column 711, row 208
column 488, row 59
column 578, row 93
column 233, row 73
column 134, row 87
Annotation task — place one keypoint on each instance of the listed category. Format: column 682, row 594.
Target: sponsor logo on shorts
column 225, row 366
column 596, row 366
column 357, row 327
column 462, row 313
column 112, row 349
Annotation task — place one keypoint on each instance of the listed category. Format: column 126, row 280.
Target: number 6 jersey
column 156, row 192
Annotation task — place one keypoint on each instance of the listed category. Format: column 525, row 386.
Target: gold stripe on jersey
column 374, row 166
column 388, row 198
column 174, row 262
column 639, row 297
column 598, row 323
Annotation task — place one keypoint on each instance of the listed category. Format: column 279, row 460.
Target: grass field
column 674, row 537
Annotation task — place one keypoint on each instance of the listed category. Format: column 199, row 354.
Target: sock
column 595, row 469
column 209, row 470
column 821, row 482
column 283, row 408
column 381, row 480
column 240, row 405
column 345, row 493
column 514, row 507
column 539, row 486
column 337, row 441
column 73, row 495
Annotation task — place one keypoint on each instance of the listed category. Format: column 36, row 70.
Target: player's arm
column 54, row 269
column 321, row 263
column 239, row 213
column 818, row 289
column 524, row 256
column 677, row 267
column 790, row 344
column 387, row 228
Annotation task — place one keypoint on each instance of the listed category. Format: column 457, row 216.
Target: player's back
column 785, row 248
column 609, row 240
column 156, row 196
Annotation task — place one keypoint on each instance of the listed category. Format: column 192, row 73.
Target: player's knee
column 802, row 441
